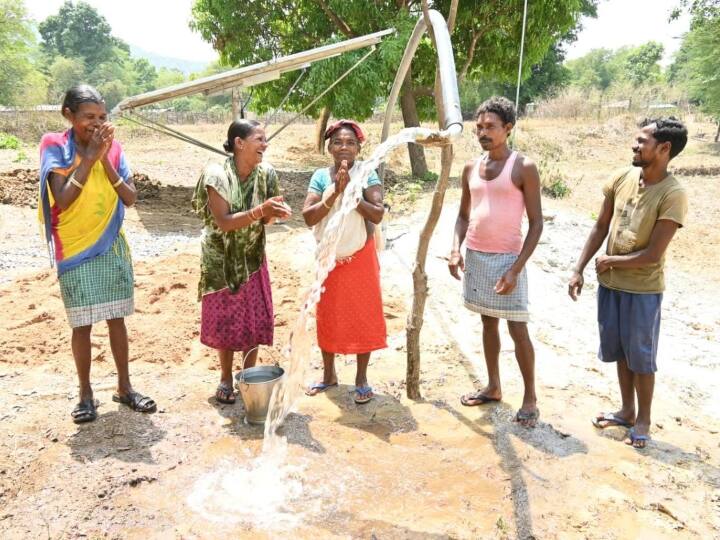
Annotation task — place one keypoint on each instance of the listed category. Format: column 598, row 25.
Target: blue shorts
column 629, row 328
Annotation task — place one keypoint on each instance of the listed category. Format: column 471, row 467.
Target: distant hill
column 186, row 66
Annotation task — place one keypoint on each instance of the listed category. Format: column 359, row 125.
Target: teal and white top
column 354, row 233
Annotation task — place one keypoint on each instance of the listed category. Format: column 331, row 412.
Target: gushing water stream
column 267, row 491
column 286, row 393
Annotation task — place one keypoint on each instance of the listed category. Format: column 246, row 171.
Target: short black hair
column 501, row 106
column 239, row 128
column 77, row 95
column 670, row 130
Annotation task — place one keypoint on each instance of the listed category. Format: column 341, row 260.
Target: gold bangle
column 325, row 205
column 116, row 184
column 252, row 216
column 76, row 183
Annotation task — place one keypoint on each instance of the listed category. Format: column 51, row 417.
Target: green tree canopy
column 79, row 44
column 546, row 79
column 486, row 41
column 79, row 31
column 64, row 73
column 17, row 42
column 696, row 64
column 601, row 68
column 639, row 65
column 168, row 77
column 261, row 29
column 145, row 75
column 267, row 29
column 594, row 70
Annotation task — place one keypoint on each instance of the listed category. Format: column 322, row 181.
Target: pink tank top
column 496, row 211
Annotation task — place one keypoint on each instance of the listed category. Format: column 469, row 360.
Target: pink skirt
column 240, row 321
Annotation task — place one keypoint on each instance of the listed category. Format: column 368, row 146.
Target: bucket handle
column 242, row 368
column 256, row 347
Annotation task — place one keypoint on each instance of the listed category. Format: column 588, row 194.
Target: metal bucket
column 255, row 385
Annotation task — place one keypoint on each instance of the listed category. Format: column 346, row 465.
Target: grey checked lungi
column 482, row 271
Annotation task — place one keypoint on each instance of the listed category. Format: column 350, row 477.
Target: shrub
column 9, row 142
column 552, row 182
column 429, row 176
column 556, row 189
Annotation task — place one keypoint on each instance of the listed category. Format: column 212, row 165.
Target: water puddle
column 263, row 492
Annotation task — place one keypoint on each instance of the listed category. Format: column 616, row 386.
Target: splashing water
column 262, row 491
column 265, row 492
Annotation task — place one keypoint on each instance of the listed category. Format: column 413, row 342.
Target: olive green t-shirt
column 636, row 210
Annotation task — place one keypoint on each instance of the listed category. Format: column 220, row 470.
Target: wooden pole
column 420, row 288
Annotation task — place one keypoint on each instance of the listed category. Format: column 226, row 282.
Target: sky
column 161, row 26
column 631, row 22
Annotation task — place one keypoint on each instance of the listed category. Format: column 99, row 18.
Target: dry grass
column 586, row 154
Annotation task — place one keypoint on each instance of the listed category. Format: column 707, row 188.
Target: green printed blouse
column 229, row 258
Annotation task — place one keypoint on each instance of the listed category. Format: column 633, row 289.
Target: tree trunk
column 717, row 134
column 235, row 103
column 320, row 127
column 416, row 152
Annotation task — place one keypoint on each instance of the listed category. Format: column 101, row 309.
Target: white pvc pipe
column 522, row 48
column 448, row 77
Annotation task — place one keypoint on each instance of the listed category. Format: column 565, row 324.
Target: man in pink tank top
column 496, row 190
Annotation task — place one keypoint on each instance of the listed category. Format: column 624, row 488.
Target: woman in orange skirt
column 350, row 314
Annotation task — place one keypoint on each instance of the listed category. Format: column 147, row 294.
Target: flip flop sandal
column 527, row 419
column 319, row 388
column 136, row 401
column 611, row 420
column 634, row 437
column 478, row 396
column 225, row 394
column 85, row 411
column 361, row 391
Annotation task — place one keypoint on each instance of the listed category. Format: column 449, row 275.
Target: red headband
column 352, row 124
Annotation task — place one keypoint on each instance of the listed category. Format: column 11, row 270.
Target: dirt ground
column 394, row 468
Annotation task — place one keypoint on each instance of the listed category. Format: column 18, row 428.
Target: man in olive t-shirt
column 642, row 209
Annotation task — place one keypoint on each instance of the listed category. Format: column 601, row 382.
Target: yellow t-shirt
column 636, row 210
